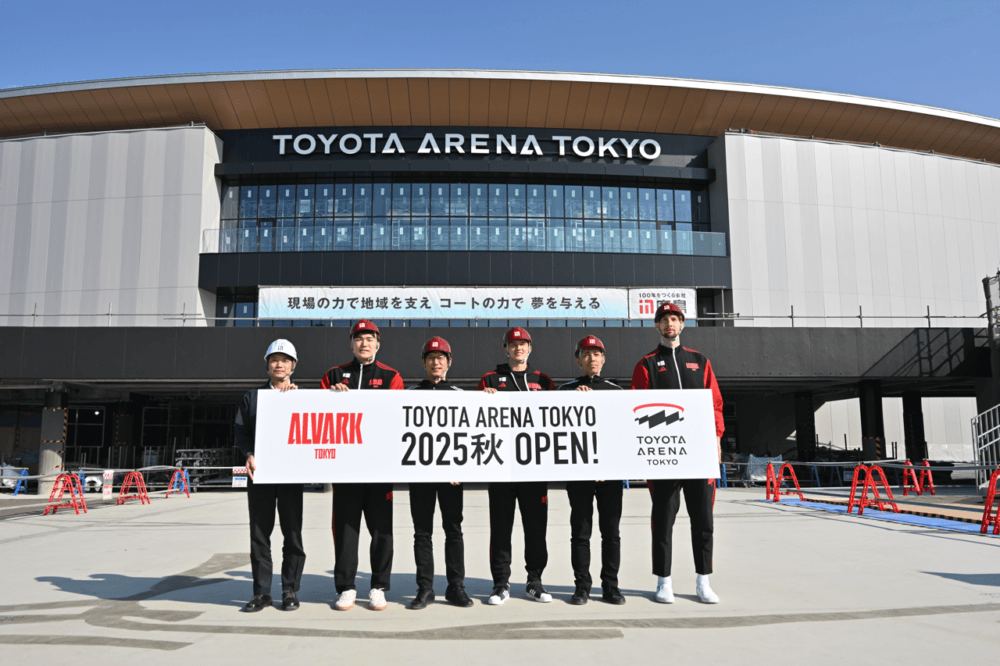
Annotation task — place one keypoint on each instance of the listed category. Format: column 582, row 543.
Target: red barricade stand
column 771, row 482
column 926, row 480
column 988, row 509
column 133, row 479
column 910, row 481
column 854, row 486
column 871, row 482
column 178, row 484
column 792, row 478
column 64, row 482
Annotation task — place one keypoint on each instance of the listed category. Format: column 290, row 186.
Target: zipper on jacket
column 680, row 385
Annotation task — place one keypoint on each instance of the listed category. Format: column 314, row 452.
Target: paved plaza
column 164, row 582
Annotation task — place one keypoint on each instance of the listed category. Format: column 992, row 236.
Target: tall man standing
column 589, row 355
column 261, row 498
column 530, row 496
column 436, row 358
column 351, row 500
column 671, row 366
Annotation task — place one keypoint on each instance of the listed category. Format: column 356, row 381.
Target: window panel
column 459, row 239
column 304, row 235
column 630, row 236
column 286, row 233
column 683, row 242
column 666, row 240
column 419, row 231
column 629, row 203
column 265, row 234
column 682, row 205
column 362, row 234
column 381, row 233
column 230, row 202
column 554, row 200
column 459, row 199
column 440, row 198
column 610, row 205
column 267, row 201
column 400, row 229
column 343, row 230
column 304, row 200
column 647, row 203
column 516, row 234
column 401, row 199
column 498, row 231
column 555, row 235
column 536, row 200
column 516, row 200
column 323, row 235
column 324, row 200
column 440, row 231
column 479, row 199
column 421, row 199
column 592, row 202
column 479, row 234
column 593, row 236
column 498, row 200
column 647, row 237
column 665, row 205
column 381, row 199
column 612, row 236
column 574, row 201
column 247, row 236
column 574, row 235
column 343, row 195
column 248, row 201
column 536, row 234
column 362, row 199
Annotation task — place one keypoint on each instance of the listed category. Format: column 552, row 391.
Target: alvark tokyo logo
column 658, row 413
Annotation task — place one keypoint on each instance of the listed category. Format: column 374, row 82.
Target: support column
column 872, row 421
column 52, row 445
column 805, row 426
column 913, row 426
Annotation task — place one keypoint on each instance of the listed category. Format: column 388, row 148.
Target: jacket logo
column 501, row 379
column 693, row 366
column 668, row 414
column 534, row 387
column 662, row 369
column 388, row 496
column 502, row 385
column 375, row 382
column 345, row 379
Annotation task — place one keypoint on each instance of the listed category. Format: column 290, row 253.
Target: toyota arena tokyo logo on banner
column 658, row 442
column 658, row 413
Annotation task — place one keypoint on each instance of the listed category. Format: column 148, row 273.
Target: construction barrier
column 926, row 480
column 777, row 480
column 133, row 479
column 22, row 483
column 870, row 482
column 988, row 509
column 63, row 483
column 910, row 480
column 179, row 483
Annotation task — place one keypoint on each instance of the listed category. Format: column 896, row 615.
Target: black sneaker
column 580, row 597
column 456, row 596
column 614, row 596
column 501, row 593
column 258, row 603
column 424, row 597
column 537, row 592
column 289, row 601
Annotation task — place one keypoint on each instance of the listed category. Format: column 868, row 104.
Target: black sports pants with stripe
column 423, row 497
column 581, row 521
column 350, row 502
column 666, row 494
column 532, row 499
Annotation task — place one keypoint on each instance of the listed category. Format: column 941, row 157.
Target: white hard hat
column 282, row 347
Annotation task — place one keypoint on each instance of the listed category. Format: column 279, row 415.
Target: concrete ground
column 166, row 581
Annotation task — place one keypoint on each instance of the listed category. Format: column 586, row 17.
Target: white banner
column 442, row 303
column 314, row 436
column 643, row 301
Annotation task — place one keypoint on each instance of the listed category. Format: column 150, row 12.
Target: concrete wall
column 107, row 219
column 828, row 227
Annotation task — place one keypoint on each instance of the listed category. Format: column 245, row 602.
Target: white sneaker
column 501, row 593
column 537, row 592
column 664, row 590
column 346, row 600
column 376, row 599
column 704, row 591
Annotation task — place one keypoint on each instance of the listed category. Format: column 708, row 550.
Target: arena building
column 828, row 249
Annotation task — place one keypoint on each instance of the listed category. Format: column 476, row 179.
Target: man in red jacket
column 671, row 366
column 351, row 500
column 530, row 496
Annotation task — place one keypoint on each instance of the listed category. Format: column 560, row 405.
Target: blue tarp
column 890, row 517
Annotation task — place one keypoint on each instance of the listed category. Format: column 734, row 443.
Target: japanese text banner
column 442, row 303
column 311, row 436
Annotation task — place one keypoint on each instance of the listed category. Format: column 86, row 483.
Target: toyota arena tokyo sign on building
column 310, row 436
column 468, row 302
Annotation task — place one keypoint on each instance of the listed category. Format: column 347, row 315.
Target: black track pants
column 581, row 521
column 350, row 501
column 423, row 497
column 261, row 500
column 666, row 502
column 532, row 498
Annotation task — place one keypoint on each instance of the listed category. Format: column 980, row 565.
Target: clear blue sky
column 942, row 54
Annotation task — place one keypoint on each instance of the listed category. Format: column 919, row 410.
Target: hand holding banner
column 415, row 436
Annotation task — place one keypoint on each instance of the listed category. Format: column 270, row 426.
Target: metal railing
column 986, row 443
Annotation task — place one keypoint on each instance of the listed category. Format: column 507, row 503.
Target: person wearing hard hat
column 436, row 359
column 262, row 498
column 352, row 500
column 530, row 496
column 590, row 356
column 671, row 366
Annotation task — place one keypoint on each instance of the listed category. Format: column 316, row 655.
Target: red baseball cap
column 668, row 308
column 515, row 334
column 365, row 326
column 589, row 342
column 436, row 344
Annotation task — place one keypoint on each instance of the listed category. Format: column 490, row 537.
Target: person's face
column 436, row 365
column 364, row 346
column 518, row 351
column 280, row 366
column 591, row 361
column 670, row 326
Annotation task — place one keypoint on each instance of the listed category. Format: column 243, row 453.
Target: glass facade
column 358, row 214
